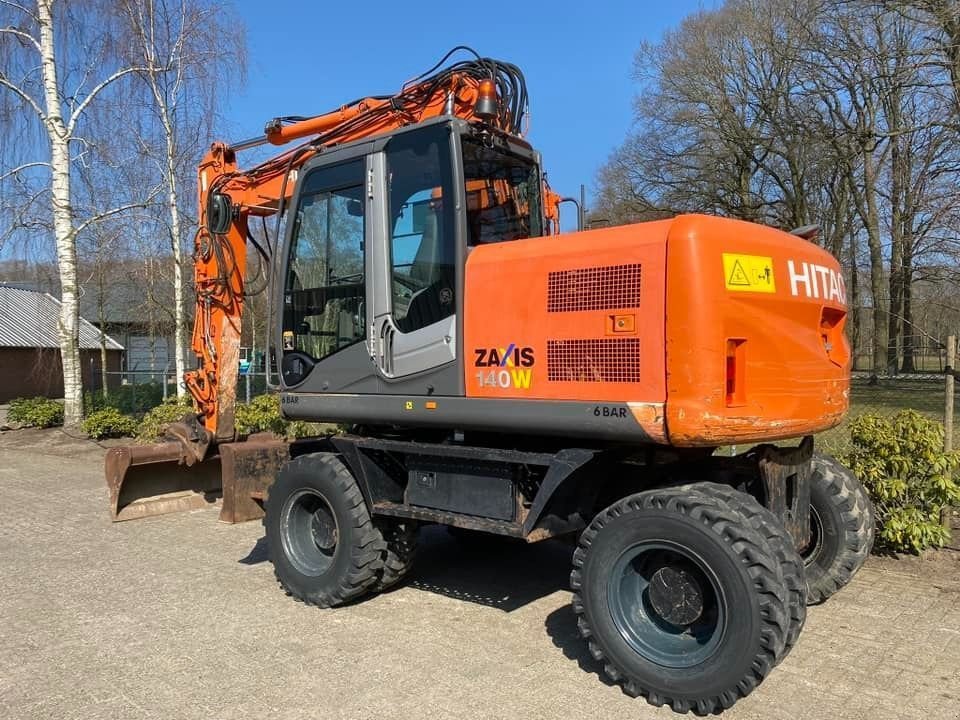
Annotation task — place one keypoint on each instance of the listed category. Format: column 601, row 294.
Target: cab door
column 325, row 296
column 415, row 317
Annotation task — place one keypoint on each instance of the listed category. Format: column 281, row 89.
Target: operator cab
column 375, row 249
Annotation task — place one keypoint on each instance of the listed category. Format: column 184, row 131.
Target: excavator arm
column 484, row 90
column 150, row 480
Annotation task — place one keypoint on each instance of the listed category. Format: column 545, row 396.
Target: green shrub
column 35, row 412
column 262, row 414
column 297, row 429
column 109, row 422
column 901, row 462
column 130, row 399
column 153, row 423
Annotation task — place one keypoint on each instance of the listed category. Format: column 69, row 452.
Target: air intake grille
column 596, row 288
column 614, row 360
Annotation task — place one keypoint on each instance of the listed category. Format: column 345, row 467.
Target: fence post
column 948, row 413
column 164, row 376
column 948, row 404
column 247, row 377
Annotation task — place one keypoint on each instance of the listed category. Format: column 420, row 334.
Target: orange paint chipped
column 649, row 416
column 792, row 376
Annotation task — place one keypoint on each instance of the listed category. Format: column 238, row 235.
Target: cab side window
column 325, row 288
column 422, row 242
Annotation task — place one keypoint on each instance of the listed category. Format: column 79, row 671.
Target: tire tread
column 399, row 553
column 859, row 524
column 780, row 542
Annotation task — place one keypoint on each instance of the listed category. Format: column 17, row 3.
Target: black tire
column 842, row 526
column 725, row 651
column 781, row 543
column 323, row 545
column 400, row 538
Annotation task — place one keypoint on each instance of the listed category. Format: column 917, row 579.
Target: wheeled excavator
column 498, row 375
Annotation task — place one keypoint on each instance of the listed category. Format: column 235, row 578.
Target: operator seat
column 434, row 271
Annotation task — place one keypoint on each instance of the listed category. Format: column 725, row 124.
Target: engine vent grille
column 612, row 360
column 595, row 288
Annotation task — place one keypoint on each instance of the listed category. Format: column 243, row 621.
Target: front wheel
column 681, row 599
column 322, row 542
column 841, row 528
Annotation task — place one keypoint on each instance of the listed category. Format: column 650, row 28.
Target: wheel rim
column 309, row 532
column 812, row 551
column 667, row 604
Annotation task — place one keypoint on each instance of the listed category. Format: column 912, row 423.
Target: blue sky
column 309, row 57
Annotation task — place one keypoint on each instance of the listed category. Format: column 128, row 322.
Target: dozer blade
column 148, row 480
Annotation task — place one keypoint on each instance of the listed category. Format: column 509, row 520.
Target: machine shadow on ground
column 488, row 570
column 493, row 571
column 561, row 627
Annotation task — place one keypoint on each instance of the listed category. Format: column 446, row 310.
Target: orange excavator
column 499, row 376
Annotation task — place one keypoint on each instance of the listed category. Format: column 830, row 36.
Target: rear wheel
column 780, row 542
column 842, row 528
column 400, row 539
column 680, row 598
column 323, row 545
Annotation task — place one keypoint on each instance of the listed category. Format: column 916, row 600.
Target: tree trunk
column 68, row 329
column 895, row 280
column 872, row 226
column 907, row 276
column 176, row 241
column 908, row 365
column 853, row 298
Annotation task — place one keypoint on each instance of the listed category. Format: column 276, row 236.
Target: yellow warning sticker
column 748, row 273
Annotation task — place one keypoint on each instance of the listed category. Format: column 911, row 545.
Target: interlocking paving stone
column 179, row 617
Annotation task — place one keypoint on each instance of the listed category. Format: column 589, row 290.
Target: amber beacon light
column 486, row 106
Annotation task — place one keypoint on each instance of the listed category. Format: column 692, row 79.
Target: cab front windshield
column 502, row 190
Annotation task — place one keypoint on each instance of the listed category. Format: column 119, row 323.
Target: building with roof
column 137, row 312
column 30, row 352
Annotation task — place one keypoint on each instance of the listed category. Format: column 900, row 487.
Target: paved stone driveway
column 179, row 617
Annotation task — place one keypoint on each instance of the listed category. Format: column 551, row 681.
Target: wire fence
column 886, row 396
column 140, row 390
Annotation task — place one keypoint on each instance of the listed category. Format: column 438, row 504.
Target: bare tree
column 77, row 65
column 190, row 52
column 791, row 113
column 720, row 126
column 940, row 20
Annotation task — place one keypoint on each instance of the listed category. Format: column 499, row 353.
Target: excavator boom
column 481, row 90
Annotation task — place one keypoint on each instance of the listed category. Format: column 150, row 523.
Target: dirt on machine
column 498, row 375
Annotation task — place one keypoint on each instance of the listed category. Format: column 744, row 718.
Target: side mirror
column 219, row 213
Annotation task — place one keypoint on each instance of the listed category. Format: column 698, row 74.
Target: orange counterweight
column 712, row 331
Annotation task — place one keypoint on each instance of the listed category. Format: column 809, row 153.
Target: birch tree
column 190, row 52
column 67, row 61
